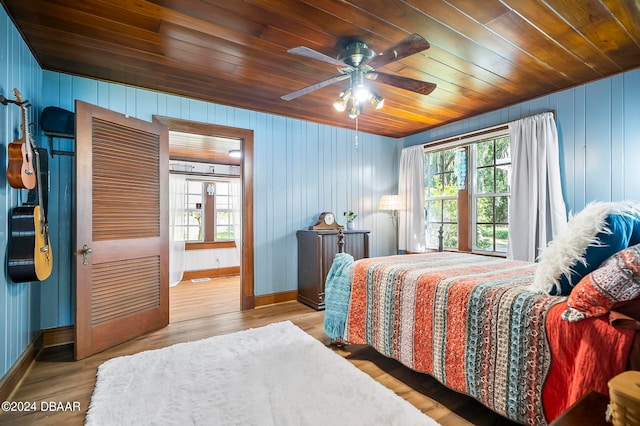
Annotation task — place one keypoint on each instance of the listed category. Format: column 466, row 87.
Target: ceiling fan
column 358, row 62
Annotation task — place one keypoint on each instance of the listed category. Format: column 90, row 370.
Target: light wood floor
column 55, row 377
column 190, row 300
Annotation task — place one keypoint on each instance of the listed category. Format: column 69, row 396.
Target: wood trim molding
column 211, row 273
column 58, row 336
column 247, row 297
column 210, row 245
column 12, row 378
column 270, row 299
column 464, row 238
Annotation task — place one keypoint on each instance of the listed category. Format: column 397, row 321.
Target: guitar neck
column 39, row 189
column 26, row 135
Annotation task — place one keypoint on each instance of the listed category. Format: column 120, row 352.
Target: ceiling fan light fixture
column 341, row 103
column 355, row 110
column 360, row 91
column 376, row 100
column 362, row 94
column 357, row 62
column 235, row 153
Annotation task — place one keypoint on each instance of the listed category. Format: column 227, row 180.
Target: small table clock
column 327, row 220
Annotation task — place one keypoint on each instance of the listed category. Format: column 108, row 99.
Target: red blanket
column 586, row 355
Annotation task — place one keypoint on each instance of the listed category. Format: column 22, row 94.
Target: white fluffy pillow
column 569, row 247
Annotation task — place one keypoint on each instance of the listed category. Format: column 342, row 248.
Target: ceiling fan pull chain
column 356, row 132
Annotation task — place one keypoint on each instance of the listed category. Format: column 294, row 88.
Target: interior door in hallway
column 122, row 277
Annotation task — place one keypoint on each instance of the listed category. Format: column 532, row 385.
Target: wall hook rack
column 4, row 101
column 51, row 135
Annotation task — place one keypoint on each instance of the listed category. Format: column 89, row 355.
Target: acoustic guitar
column 30, row 257
column 20, row 173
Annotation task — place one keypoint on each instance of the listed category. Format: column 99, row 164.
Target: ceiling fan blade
column 313, row 54
column 313, row 87
column 405, row 83
column 410, row 45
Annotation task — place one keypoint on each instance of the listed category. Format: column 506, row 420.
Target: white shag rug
column 273, row 375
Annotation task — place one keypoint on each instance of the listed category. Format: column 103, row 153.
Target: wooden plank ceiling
column 213, row 149
column 484, row 55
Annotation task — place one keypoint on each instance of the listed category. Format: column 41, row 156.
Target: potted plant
column 351, row 216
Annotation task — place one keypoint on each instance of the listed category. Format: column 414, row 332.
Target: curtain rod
column 481, row 132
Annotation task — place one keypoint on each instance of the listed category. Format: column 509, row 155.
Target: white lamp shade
column 391, row 202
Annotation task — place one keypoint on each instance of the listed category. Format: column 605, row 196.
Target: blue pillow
column 624, row 231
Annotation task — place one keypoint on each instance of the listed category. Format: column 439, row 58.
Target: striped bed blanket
column 471, row 322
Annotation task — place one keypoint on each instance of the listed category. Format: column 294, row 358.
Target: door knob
column 86, row 251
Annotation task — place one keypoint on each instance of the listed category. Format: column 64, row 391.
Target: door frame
column 247, row 296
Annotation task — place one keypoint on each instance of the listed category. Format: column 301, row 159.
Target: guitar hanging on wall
column 20, row 173
column 30, row 257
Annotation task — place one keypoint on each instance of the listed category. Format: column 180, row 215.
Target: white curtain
column 177, row 189
column 236, row 212
column 411, row 189
column 537, row 211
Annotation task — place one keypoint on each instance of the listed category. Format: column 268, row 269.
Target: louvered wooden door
column 122, row 278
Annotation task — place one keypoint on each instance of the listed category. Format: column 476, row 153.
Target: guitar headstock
column 17, row 94
column 19, row 101
column 25, row 119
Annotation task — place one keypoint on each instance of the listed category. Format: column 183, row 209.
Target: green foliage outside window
column 441, row 194
column 493, row 165
column 224, row 213
column 490, row 196
column 224, row 226
column 194, row 202
column 194, row 226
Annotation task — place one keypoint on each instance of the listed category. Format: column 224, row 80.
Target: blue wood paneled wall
column 300, row 170
column 599, row 133
column 19, row 303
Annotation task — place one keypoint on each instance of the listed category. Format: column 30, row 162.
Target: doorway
column 199, row 153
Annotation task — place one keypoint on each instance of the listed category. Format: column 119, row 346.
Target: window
column 224, row 212
column 194, row 211
column 472, row 215
column 441, row 196
column 491, row 196
column 209, row 211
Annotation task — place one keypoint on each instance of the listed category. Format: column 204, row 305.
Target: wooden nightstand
column 316, row 250
column 588, row 410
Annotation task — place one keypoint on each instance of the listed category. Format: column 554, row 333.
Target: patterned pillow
column 616, row 281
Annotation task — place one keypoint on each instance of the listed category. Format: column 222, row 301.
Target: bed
column 480, row 326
